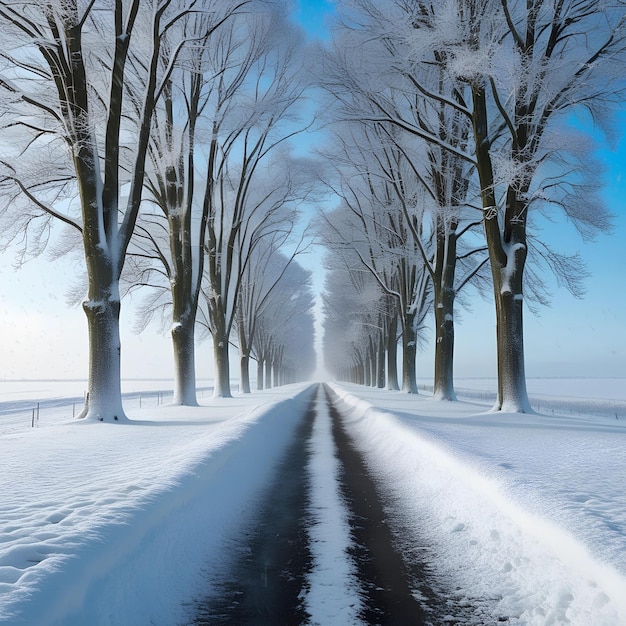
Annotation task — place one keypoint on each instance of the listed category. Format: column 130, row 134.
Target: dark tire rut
column 264, row 587
column 384, row 575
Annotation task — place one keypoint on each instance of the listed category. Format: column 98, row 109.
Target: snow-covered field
column 107, row 524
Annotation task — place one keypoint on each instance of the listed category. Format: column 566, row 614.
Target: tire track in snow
column 263, row 583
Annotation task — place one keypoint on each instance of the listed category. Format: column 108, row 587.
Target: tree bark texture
column 507, row 255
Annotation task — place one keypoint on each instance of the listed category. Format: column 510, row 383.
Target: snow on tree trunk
column 507, row 261
column 184, row 363
column 259, row 373
column 244, row 367
column 443, row 387
column 445, row 295
column 512, row 393
column 392, row 355
column 222, row 366
column 104, row 395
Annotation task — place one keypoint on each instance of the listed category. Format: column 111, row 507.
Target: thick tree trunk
column 512, row 392
column 443, row 387
column 222, row 366
column 184, row 362
column 244, row 372
column 507, row 255
column 409, row 355
column 104, row 394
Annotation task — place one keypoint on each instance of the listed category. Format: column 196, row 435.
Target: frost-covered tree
column 284, row 338
column 354, row 321
column 430, row 183
column 518, row 70
column 264, row 274
column 80, row 80
column 166, row 252
column 369, row 233
column 528, row 65
column 252, row 179
column 386, row 218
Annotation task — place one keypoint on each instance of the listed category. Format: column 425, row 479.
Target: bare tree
column 246, row 199
column 167, row 251
column 284, row 340
column 413, row 167
column 263, row 276
column 527, row 66
column 80, row 84
column 370, row 233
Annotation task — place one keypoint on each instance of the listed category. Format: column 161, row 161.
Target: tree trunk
column 259, row 373
column 445, row 294
column 276, row 374
column 360, row 373
column 244, row 358
column 409, row 355
column 367, row 368
column 512, row 393
column 392, row 355
column 268, row 373
column 244, row 371
column 184, row 362
column 380, row 361
column 443, row 386
column 507, row 255
column 222, row 366
column 104, row 393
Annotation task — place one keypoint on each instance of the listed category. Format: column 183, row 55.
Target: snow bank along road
column 282, row 507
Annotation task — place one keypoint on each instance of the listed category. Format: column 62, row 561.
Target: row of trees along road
column 153, row 130
column 449, row 115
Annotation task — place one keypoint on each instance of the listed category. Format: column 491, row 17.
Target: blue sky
column 312, row 15
column 40, row 337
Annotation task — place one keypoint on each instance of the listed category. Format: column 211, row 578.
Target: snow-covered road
column 515, row 519
column 321, row 549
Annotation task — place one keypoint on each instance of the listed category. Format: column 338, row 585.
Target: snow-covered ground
column 119, row 524
column 527, row 511
column 102, row 524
